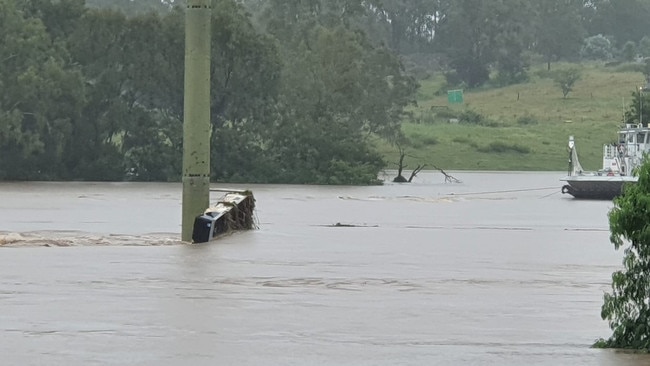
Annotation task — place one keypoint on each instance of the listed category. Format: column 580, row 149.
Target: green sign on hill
column 455, row 96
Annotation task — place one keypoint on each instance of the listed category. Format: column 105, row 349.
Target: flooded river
column 500, row 269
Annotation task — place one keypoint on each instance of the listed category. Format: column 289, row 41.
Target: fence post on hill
column 196, row 114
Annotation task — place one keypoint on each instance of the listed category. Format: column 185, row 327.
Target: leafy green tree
column 290, row 21
column 512, row 39
column 624, row 20
column 97, row 44
column 151, row 147
column 639, row 109
column 337, row 91
column 97, row 93
column 597, row 47
column 644, row 46
column 135, row 96
column 566, row 79
column 151, row 131
column 410, row 24
column 477, row 35
column 22, row 38
column 629, row 51
column 45, row 97
column 467, row 37
column 627, row 308
column 354, row 92
column 559, row 29
column 134, row 109
column 134, row 8
column 245, row 85
column 59, row 17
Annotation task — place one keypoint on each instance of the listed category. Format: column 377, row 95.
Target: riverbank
column 519, row 127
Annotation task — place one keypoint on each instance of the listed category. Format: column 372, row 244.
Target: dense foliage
column 627, row 307
column 93, row 89
column 95, row 94
column 638, row 111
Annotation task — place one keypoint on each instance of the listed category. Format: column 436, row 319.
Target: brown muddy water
column 501, row 269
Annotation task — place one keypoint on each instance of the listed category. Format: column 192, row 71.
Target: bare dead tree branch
column 448, row 178
column 416, row 171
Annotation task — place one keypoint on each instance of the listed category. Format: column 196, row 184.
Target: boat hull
column 596, row 187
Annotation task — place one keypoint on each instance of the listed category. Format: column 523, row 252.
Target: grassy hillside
column 528, row 125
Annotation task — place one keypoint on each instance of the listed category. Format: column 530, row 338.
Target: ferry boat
column 620, row 161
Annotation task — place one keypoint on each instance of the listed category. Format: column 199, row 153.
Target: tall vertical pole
column 640, row 106
column 196, row 124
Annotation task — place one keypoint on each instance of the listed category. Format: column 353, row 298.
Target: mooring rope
column 550, row 194
column 505, row 191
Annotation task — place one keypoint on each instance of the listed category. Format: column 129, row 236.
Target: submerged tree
column 627, row 307
column 401, row 166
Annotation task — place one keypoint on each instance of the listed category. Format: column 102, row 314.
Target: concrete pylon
column 196, row 118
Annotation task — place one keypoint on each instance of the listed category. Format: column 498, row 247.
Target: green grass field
column 528, row 124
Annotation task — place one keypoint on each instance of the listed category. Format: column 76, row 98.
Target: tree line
column 94, row 94
column 300, row 88
column 474, row 42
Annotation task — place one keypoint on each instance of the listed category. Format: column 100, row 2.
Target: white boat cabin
column 627, row 154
